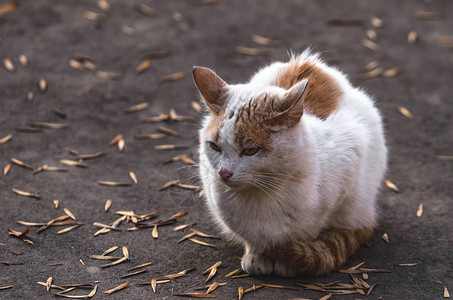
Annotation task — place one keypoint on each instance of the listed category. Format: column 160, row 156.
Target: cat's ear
column 292, row 105
column 211, row 87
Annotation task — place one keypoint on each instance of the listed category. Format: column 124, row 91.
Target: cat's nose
column 225, row 174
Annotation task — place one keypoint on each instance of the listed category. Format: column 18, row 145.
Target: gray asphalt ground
column 50, row 33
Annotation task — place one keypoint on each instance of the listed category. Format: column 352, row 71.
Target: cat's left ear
column 211, row 87
column 292, row 106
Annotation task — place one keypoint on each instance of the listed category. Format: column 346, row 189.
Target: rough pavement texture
column 50, row 33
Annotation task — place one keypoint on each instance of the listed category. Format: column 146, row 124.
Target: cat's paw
column 257, row 264
column 284, row 270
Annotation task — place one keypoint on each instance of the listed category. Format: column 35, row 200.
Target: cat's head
column 251, row 132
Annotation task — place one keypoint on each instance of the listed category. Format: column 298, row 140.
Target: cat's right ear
column 211, row 87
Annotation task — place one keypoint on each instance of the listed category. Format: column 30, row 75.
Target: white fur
column 322, row 173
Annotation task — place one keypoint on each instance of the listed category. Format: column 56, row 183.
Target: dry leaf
column 168, row 131
column 420, row 210
column 8, row 7
column 376, row 22
column 73, row 163
column 444, row 39
column 202, row 243
column 107, row 205
column 176, row 16
column 5, row 287
column 67, row 229
column 169, row 184
column 26, row 194
column 116, row 139
column 392, row 72
column 69, row 213
column 446, row 293
column 371, row 35
column 170, row 147
column 408, row 265
column 370, row 45
column 151, row 136
column 195, row 295
column 133, row 273
column 128, row 30
column 445, row 157
column 371, row 74
column 391, row 185
column 154, row 284
column 412, row 37
column 6, row 169
column 385, row 237
column 252, row 51
column 110, row 250
column 21, row 164
column 115, row 262
column 155, row 234
column 6, row 139
column 9, row 65
column 372, row 65
column 104, row 5
column 120, row 287
column 265, row 41
column 145, row 9
column 173, row 77
column 426, row 15
column 183, row 226
column 114, row 183
column 48, row 283
column 234, row 272
column 144, row 65
column 42, row 84
column 253, row 288
column 402, row 110
column 106, row 75
column 139, row 266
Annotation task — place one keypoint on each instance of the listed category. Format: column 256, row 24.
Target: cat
column 291, row 163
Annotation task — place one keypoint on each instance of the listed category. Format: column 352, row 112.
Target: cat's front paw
column 257, row 264
column 284, row 270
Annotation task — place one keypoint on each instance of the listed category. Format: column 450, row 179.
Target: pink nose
column 225, row 174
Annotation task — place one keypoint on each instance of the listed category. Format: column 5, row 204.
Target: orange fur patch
column 323, row 92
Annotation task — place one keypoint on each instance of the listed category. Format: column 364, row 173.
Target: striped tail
column 324, row 255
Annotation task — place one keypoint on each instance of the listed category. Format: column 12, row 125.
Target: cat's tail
column 324, row 255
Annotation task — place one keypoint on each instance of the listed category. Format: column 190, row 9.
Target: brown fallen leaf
column 49, row 125
column 127, row 30
column 168, row 131
column 182, row 158
column 412, row 37
column 107, row 205
column 6, row 169
column 74, row 163
column 26, row 194
column 234, row 272
column 385, row 237
column 139, row 266
column 371, row 35
column 56, row 203
column 169, row 184
column 114, row 183
column 104, row 5
column 21, row 164
column 8, row 7
column 195, row 295
column 265, row 41
column 114, row 263
column 446, row 293
column 67, row 229
column 392, row 72
column 103, row 257
column 144, row 65
column 240, row 292
column 173, row 77
column 408, row 265
column 370, row 45
column 405, row 112
column 115, row 140
column 276, row 286
column 22, row 235
column 155, row 233
column 371, row 289
column 154, row 284
column 6, row 139
column 93, row 16
column 376, row 22
column 158, row 54
column 133, row 273
column 88, row 156
column 253, row 288
column 426, row 15
column 42, row 84
column 212, row 273
column 371, row 74
column 252, row 51
column 202, row 243
column 391, row 185
column 176, row 16
column 106, row 75
column 69, row 213
column 9, row 65
column 76, row 64
column 110, row 250
column 199, row 233
column 5, row 287
column 196, row 106
column 420, row 210
column 170, row 147
column 445, row 157
column 372, row 65
column 152, row 136
column 145, row 9
column 116, row 289
column 133, row 177
column 182, row 227
column 48, row 283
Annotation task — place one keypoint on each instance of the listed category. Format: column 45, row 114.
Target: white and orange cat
column 291, row 163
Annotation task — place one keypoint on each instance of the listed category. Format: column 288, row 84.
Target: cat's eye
column 214, row 147
column 251, row 150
